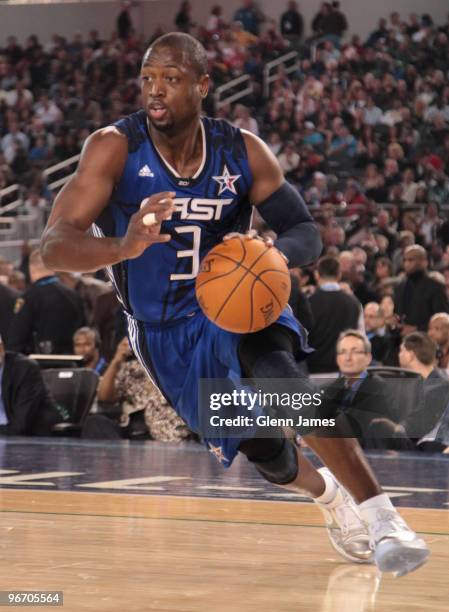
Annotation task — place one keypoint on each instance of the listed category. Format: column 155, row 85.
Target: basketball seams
column 240, row 289
column 238, row 265
column 228, row 297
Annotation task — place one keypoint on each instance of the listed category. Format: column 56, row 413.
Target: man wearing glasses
column 359, row 398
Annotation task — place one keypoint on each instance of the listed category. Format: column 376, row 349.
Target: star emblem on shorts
column 226, row 181
column 217, row 453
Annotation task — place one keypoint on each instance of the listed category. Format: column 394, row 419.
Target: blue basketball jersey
column 158, row 287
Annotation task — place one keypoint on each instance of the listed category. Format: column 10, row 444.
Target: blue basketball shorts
column 177, row 356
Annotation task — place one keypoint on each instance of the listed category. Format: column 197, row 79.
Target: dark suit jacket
column 419, row 297
column 28, row 405
column 429, row 406
column 333, row 312
column 372, row 400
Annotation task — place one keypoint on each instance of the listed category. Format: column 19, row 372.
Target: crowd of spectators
column 361, row 128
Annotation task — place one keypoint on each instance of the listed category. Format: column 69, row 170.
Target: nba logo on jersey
column 227, row 181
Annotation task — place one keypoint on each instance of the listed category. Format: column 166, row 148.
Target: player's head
column 174, row 81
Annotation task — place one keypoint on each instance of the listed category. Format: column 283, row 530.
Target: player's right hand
column 140, row 236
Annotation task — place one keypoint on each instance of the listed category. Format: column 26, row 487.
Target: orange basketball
column 243, row 285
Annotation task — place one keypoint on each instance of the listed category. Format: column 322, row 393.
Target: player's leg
column 280, row 462
column 267, row 354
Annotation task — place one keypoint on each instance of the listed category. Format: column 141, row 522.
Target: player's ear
column 204, row 85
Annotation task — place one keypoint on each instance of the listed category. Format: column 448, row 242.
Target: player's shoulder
column 109, row 136
column 262, row 161
column 253, row 143
column 221, row 130
column 126, row 133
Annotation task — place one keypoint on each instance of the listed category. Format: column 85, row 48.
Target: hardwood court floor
column 128, row 551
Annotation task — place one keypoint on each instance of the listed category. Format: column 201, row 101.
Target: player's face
column 171, row 90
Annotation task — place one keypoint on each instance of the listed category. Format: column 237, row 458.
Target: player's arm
column 281, row 206
column 66, row 244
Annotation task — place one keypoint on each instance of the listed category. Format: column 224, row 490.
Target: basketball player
column 195, row 180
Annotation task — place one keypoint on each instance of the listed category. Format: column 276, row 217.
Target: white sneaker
column 396, row 547
column 346, row 530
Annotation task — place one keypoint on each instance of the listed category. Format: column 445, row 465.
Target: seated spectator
column 355, row 395
column 86, row 342
column 26, row 408
column 343, row 144
column 142, row 406
column 383, row 270
column 384, row 341
column 418, row 353
column 243, row 119
column 288, row 159
column 334, row 311
column 311, row 135
column 439, row 333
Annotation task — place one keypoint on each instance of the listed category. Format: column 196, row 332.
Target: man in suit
column 418, row 296
column 356, row 397
column 334, row 311
column 384, row 342
column 418, row 353
column 426, row 426
column 26, row 407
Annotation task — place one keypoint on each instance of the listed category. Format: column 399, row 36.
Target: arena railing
column 245, row 85
column 19, row 190
column 290, row 63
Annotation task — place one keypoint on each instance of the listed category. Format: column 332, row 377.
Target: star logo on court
column 217, row 453
column 226, row 181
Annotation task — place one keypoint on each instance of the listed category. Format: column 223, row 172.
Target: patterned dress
column 136, row 392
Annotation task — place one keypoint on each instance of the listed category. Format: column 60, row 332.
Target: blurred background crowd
column 360, row 127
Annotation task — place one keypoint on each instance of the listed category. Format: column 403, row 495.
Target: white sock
column 368, row 509
column 330, row 488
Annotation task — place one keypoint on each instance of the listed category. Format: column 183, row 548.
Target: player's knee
column 253, row 346
column 275, row 458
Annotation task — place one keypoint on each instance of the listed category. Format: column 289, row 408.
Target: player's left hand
column 250, row 235
column 253, row 235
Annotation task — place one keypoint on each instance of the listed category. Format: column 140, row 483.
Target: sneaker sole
column 400, row 558
column 347, row 556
